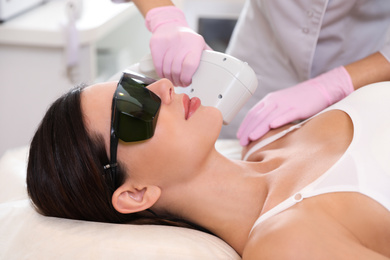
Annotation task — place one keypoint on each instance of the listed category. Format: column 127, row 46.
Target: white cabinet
column 33, row 70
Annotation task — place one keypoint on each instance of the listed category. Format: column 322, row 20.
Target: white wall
column 32, row 76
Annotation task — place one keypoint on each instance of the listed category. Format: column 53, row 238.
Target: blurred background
column 48, row 46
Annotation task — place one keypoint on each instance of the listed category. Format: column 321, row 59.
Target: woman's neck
column 226, row 198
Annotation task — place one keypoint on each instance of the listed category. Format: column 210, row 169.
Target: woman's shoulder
column 372, row 98
column 284, row 236
column 316, row 228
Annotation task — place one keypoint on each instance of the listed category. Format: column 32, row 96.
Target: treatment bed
column 25, row 234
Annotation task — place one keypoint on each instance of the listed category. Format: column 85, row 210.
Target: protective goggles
column 134, row 113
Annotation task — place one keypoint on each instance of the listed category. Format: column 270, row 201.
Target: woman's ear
column 129, row 199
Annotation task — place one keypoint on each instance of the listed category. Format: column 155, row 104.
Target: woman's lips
column 190, row 105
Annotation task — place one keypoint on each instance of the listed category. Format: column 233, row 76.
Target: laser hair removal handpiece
column 221, row 81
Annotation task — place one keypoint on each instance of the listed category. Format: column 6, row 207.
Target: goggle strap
column 113, row 148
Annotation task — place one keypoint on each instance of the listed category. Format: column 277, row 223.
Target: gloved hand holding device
column 176, row 49
column 298, row 102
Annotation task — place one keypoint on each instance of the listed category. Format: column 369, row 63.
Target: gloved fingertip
column 175, row 80
column 175, row 83
column 256, row 135
column 186, row 76
column 252, row 137
column 244, row 142
column 185, row 82
column 276, row 123
column 283, row 119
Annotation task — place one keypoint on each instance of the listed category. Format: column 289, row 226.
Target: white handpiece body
column 221, row 81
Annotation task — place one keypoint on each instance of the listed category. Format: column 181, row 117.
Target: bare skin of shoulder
column 342, row 225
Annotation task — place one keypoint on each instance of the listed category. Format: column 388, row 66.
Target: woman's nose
column 164, row 89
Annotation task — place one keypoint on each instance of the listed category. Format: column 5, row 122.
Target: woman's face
column 185, row 133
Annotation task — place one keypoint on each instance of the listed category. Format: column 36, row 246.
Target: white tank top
column 365, row 165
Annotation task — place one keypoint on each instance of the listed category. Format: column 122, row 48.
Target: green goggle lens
column 135, row 110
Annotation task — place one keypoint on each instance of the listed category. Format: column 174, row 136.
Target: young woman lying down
column 316, row 190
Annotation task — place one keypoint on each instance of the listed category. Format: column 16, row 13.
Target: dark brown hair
column 65, row 175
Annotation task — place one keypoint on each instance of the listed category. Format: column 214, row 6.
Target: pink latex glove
column 298, row 102
column 176, row 49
